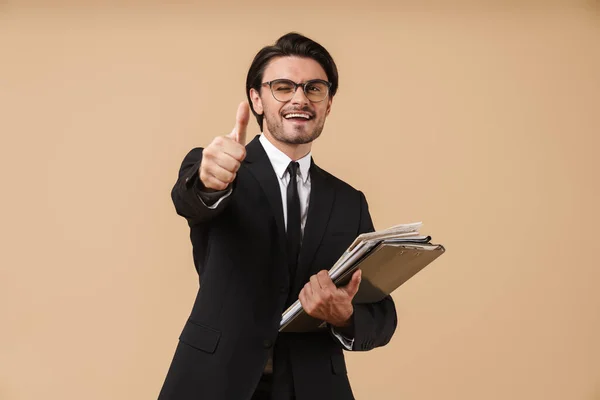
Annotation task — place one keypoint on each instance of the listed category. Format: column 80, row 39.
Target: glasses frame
column 296, row 86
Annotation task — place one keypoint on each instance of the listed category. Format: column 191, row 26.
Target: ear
column 256, row 101
column 329, row 101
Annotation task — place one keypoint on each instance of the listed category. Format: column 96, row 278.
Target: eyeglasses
column 283, row 90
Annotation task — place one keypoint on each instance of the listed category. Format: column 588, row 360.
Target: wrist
column 346, row 320
column 346, row 327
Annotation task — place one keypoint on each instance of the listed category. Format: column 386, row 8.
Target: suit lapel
column 319, row 208
column 260, row 167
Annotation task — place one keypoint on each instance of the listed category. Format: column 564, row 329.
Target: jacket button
column 282, row 289
column 267, row 343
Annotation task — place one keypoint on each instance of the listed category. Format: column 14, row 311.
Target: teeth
column 297, row 116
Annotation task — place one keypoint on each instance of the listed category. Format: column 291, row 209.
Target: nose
column 299, row 97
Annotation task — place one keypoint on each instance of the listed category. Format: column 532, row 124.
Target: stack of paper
column 387, row 258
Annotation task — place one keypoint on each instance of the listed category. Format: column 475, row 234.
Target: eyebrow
column 307, row 80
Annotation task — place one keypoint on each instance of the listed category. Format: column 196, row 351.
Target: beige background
column 479, row 119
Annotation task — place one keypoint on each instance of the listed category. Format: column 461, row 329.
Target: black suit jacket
column 239, row 251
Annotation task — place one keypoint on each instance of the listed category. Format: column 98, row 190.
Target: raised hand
column 222, row 158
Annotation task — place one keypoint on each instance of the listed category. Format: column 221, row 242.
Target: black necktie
column 294, row 232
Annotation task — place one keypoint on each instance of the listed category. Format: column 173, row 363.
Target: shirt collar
column 280, row 161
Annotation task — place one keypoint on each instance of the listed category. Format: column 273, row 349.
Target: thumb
column 241, row 123
column 352, row 287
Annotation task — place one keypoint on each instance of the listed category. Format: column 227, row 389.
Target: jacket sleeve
column 373, row 324
column 188, row 197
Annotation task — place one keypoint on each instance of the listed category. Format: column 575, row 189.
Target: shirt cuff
column 344, row 340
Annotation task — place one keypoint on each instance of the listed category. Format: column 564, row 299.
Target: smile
column 297, row 115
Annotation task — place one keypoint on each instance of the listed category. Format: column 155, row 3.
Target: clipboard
column 386, row 265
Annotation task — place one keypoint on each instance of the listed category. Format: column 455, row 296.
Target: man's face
column 278, row 120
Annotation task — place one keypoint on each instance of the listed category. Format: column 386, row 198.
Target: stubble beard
column 277, row 131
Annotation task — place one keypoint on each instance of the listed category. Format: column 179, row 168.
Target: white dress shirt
column 280, row 162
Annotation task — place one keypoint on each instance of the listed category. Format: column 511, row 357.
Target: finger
column 225, row 145
column 208, row 179
column 325, row 281
column 314, row 281
column 352, row 287
column 303, row 299
column 307, row 302
column 235, row 150
column 222, row 174
column 211, row 182
column 227, row 162
column 308, row 291
column 317, row 291
column 241, row 123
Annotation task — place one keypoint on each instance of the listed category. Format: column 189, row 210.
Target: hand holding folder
column 387, row 259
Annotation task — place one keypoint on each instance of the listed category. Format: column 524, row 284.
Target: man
column 266, row 223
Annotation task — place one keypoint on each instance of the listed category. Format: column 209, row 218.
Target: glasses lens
column 316, row 90
column 283, row 90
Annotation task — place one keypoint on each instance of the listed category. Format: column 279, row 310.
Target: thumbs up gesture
column 222, row 158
